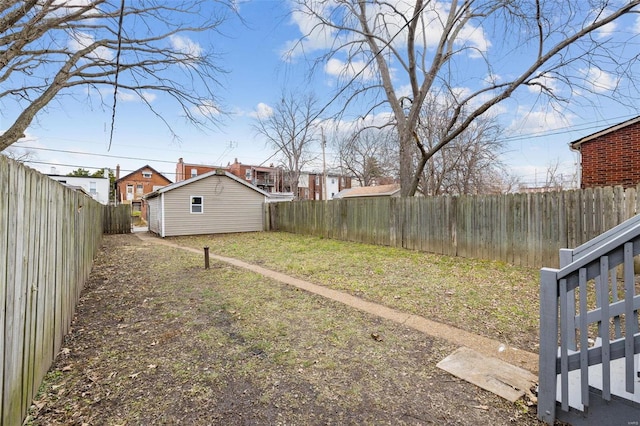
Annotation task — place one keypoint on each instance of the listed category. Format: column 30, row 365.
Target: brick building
column 130, row 188
column 268, row 179
column 611, row 156
column 186, row 171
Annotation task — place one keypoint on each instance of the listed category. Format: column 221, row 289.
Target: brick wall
column 612, row 159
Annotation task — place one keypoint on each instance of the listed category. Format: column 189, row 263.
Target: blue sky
column 252, row 55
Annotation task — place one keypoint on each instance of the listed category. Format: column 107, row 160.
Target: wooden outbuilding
column 211, row 203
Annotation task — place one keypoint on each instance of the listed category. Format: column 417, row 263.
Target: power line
column 101, row 155
column 46, row 163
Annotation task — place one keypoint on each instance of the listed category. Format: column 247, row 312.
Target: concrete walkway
column 484, row 345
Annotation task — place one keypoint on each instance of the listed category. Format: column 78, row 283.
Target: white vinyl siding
column 231, row 207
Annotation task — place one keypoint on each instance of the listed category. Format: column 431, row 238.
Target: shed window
column 196, row 204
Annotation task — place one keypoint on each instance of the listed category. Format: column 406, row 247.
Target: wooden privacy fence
column 49, row 235
column 117, row 219
column 521, row 229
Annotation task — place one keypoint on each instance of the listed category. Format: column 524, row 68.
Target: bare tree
column 369, row 155
column 48, row 48
column 21, row 155
column 291, row 129
column 396, row 54
column 470, row 163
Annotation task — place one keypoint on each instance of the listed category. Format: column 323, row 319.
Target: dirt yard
column 159, row 340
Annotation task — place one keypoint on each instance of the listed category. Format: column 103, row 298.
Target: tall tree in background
column 80, row 172
column 470, row 163
column 395, row 55
column 290, row 127
column 368, row 154
column 50, row 48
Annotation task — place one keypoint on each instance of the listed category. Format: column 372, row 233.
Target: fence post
column 548, row 345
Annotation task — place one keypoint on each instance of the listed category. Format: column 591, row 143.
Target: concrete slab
column 496, row 376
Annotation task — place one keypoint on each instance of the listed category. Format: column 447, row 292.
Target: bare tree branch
column 291, row 129
column 422, row 46
column 50, row 47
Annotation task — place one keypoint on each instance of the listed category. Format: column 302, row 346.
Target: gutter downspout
column 579, row 152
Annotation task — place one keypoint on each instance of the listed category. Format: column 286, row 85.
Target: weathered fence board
column 117, row 219
column 522, row 229
column 49, row 235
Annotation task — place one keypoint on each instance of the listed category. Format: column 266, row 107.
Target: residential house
column 269, row 179
column 311, row 185
column 611, row 156
column 215, row 202
column 391, row 190
column 131, row 188
column 96, row 187
column 188, row 170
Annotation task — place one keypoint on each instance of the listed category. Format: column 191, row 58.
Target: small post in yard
column 206, row 258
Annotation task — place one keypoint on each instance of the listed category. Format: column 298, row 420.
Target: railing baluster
column 548, row 345
column 584, row 339
column 564, row 344
column 630, row 318
column 614, row 295
column 604, row 328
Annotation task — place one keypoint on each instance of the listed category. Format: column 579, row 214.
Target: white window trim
column 201, row 204
column 147, row 174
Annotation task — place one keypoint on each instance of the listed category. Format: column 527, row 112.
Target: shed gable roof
column 369, row 191
column 218, row 172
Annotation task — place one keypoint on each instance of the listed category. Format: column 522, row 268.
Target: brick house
column 310, row 185
column 186, row 171
column 268, row 179
column 131, row 188
column 611, row 156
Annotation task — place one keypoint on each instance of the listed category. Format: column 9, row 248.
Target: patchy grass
column 163, row 341
column 489, row 298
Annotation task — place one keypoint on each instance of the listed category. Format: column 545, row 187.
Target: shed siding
column 228, row 206
column 155, row 215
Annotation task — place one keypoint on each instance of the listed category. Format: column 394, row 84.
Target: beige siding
column 228, row 206
column 155, row 214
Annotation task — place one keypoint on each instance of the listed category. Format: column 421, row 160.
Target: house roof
column 576, row 144
column 369, row 191
column 140, row 169
column 218, row 172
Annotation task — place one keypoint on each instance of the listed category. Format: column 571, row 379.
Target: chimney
column 117, row 171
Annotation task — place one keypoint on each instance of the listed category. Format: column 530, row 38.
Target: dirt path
column 158, row 340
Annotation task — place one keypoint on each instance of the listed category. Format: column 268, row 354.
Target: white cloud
column 319, row 37
column 80, row 40
column 549, row 83
column 262, row 111
column 607, row 30
column 338, row 68
column 532, row 121
column 186, row 46
column 599, row 81
column 207, row 109
column 316, row 36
